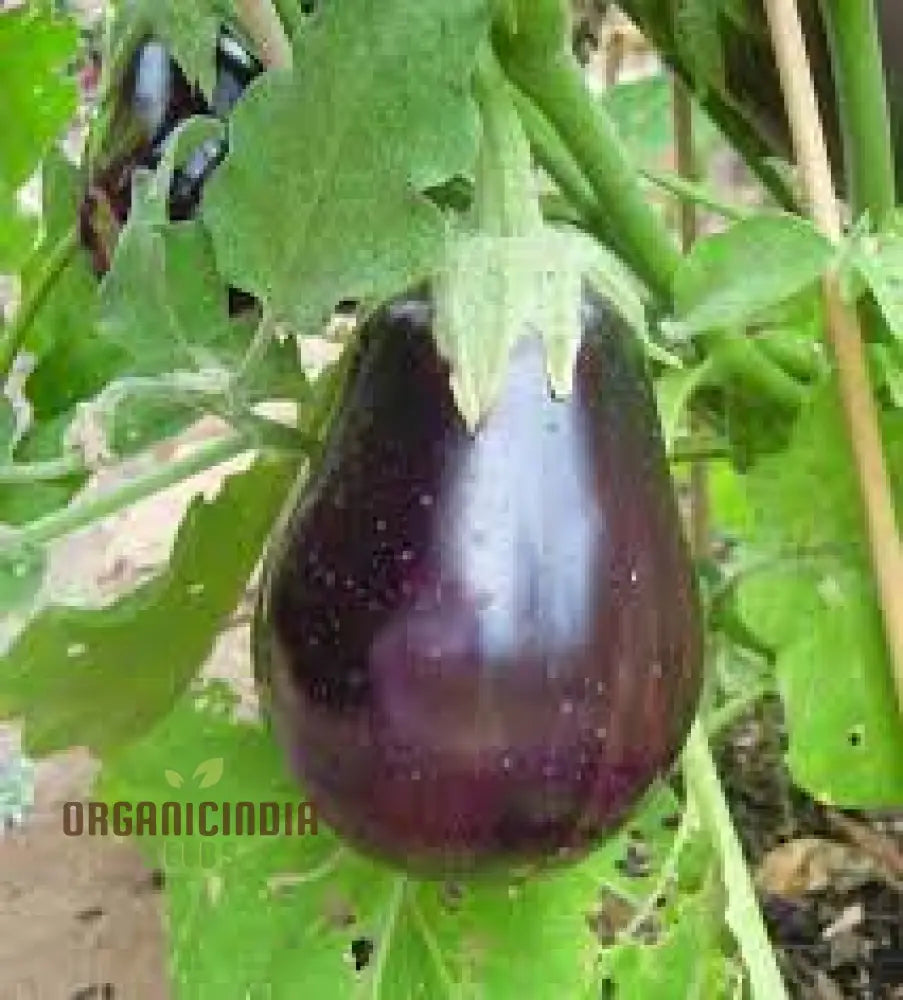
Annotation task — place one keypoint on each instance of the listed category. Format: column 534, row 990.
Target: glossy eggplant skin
column 479, row 650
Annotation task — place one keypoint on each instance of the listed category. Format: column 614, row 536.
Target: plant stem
column 734, row 122
column 556, row 87
column 555, row 158
column 735, row 354
column 506, row 202
column 701, row 449
column 856, row 57
column 695, row 194
column 685, row 157
column 54, row 265
column 843, row 332
column 742, row 913
column 88, row 509
column 42, row 472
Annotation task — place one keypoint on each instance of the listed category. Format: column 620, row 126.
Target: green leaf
column 888, row 366
column 99, row 678
column 319, row 198
column 879, row 259
column 8, row 429
column 18, row 231
column 673, row 392
column 304, row 899
column 72, row 360
column 735, row 277
column 45, row 441
column 38, row 99
column 699, row 40
column 846, row 745
column 642, row 111
column 21, row 575
column 164, row 303
column 687, row 962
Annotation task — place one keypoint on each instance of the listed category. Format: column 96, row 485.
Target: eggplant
column 478, row 650
column 153, row 99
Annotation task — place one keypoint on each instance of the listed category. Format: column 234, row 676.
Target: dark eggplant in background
column 479, row 650
column 152, row 100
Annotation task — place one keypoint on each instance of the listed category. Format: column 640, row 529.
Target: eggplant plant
column 569, row 498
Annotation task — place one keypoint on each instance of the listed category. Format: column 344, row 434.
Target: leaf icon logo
column 174, row 778
column 209, row 772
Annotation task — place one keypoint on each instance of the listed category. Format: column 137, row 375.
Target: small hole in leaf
column 361, row 952
column 855, row 736
column 452, row 894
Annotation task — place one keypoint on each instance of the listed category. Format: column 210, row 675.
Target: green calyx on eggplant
column 152, row 100
column 478, row 650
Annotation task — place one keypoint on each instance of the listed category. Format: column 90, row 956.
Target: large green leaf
column 72, row 360
column 816, row 605
column 319, row 198
column 38, row 98
column 164, row 304
column 277, row 916
column 99, row 678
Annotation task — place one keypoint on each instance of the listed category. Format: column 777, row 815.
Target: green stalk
column 743, row 915
column 855, row 43
column 555, row 85
column 92, row 508
column 735, row 354
column 42, row 472
column 555, row 158
column 54, row 265
column 505, row 199
column 695, row 194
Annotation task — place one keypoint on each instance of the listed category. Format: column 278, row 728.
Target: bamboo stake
column 843, row 331
column 262, row 22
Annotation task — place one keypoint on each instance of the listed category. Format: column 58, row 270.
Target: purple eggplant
column 153, row 99
column 478, row 650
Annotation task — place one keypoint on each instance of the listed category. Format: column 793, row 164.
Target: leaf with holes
column 330, row 923
column 99, row 678
column 817, row 607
